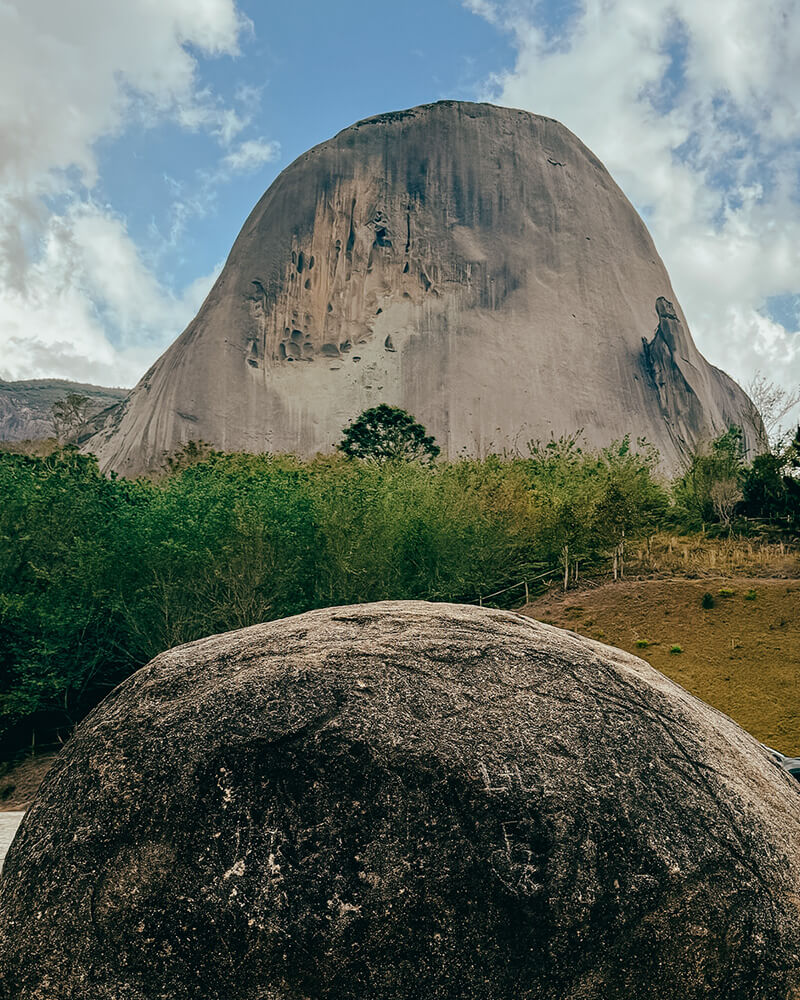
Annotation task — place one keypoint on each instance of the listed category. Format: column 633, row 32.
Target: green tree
column 590, row 501
column 69, row 415
column 771, row 485
column 631, row 500
column 764, row 489
column 61, row 637
column 388, row 434
column 226, row 542
column 708, row 490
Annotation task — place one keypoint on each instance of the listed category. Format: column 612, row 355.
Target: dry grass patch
column 36, row 447
column 742, row 656
column 699, row 555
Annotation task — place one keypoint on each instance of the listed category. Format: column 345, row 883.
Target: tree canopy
column 99, row 574
column 388, row 434
column 70, row 414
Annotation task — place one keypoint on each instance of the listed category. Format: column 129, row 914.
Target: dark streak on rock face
column 513, row 276
column 670, row 375
column 404, row 800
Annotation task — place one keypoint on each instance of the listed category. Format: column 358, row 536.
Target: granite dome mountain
column 473, row 264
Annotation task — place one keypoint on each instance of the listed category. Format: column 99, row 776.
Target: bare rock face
column 475, row 265
column 26, row 408
column 405, row 800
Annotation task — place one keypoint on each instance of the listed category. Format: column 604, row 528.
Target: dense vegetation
column 98, row 574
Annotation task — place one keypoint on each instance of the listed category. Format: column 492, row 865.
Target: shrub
column 99, row 574
column 676, row 649
column 388, row 434
column 750, row 595
column 709, row 489
column 726, row 592
column 642, row 643
column 765, row 490
column 707, row 601
column 771, row 485
column 589, row 502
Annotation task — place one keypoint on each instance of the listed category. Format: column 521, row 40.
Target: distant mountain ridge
column 26, row 406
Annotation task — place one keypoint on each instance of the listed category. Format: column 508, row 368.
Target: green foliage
column 707, row 601
column 709, row 488
column 726, row 592
column 588, row 502
column 192, row 453
column 642, row 643
column 764, row 489
column 676, row 649
column 719, row 488
column 750, row 595
column 60, row 580
column 388, row 434
column 98, row 574
column 771, row 486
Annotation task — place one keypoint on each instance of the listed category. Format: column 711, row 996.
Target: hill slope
column 25, row 407
column 742, row 656
column 475, row 265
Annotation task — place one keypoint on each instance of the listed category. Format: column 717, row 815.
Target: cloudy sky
column 136, row 135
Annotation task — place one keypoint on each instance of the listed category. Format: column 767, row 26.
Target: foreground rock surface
column 404, row 800
column 475, row 265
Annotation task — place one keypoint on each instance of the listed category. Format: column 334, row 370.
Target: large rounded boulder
column 405, row 800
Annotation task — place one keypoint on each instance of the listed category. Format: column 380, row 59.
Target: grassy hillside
column 742, row 656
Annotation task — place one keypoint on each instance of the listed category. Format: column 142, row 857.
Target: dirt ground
column 742, row 656
column 19, row 782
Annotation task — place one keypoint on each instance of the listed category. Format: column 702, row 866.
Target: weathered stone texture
column 405, row 800
column 475, row 265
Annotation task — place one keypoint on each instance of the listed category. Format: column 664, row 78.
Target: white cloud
column 250, row 155
column 695, row 110
column 76, row 298
column 89, row 279
column 70, row 72
column 485, row 9
column 224, row 123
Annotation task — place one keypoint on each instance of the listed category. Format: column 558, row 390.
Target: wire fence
column 515, row 586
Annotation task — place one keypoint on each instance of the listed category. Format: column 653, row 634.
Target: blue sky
column 136, row 137
column 302, row 78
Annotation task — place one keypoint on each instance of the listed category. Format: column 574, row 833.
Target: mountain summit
column 475, row 265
